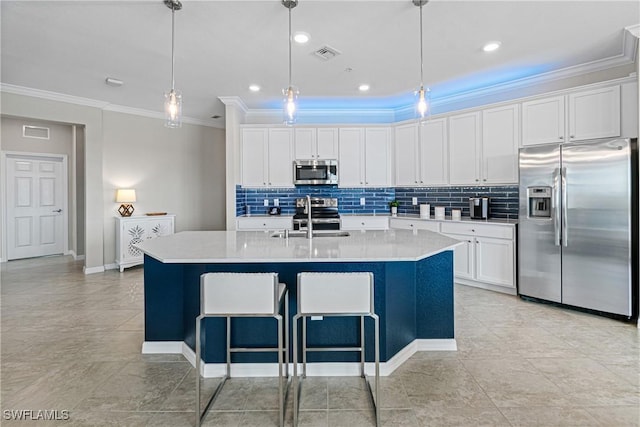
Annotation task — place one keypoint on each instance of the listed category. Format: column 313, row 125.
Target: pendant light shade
column 423, row 101
column 290, row 107
column 173, row 98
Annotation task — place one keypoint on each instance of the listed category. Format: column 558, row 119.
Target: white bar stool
column 244, row 295
column 335, row 294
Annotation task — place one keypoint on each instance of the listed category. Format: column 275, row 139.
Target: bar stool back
column 243, row 295
column 335, row 294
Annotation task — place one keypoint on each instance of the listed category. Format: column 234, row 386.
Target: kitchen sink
column 281, row 234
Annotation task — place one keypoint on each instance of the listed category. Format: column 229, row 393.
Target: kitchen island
column 413, row 273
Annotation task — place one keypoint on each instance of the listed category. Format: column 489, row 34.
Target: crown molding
column 634, row 30
column 234, row 101
column 52, row 96
column 93, row 103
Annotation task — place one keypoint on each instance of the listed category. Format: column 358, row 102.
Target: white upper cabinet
column 312, row 143
column 464, row 149
column 589, row 114
column 543, row 121
column 407, row 155
column 433, row 152
column 267, row 157
column 327, row 143
column 594, row 114
column 421, row 153
column 364, row 157
column 500, row 136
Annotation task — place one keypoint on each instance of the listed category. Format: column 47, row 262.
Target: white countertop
column 259, row 246
column 463, row 219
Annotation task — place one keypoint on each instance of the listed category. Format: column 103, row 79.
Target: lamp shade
column 126, row 195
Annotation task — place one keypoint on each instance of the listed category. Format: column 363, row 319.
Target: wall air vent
column 326, row 53
column 35, row 132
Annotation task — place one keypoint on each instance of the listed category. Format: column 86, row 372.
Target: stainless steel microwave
column 315, row 172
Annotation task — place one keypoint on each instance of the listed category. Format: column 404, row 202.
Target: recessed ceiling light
column 301, row 37
column 491, row 46
column 363, row 87
column 254, row 88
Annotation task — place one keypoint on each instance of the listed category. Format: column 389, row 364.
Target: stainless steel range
column 324, row 214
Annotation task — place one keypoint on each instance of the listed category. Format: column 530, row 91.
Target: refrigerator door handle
column 563, row 177
column 556, row 207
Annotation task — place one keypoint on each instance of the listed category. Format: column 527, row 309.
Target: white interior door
column 36, row 206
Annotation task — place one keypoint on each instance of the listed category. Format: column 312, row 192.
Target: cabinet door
column 464, row 149
column 327, row 143
column 364, row 223
column 406, row 159
column 377, row 159
column 594, row 114
column 305, row 143
column 463, row 256
column 254, row 150
column 500, row 132
column 280, row 158
column 494, row 261
column 159, row 227
column 132, row 232
column 433, row 153
column 350, row 157
column 543, row 121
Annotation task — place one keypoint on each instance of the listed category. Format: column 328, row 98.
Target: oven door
column 318, row 224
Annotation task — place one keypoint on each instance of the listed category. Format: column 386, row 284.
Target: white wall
column 175, row 170
column 180, row 171
column 61, row 141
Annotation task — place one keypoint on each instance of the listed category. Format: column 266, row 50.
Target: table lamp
column 126, row 196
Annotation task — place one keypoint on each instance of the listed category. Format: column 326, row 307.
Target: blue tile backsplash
column 503, row 203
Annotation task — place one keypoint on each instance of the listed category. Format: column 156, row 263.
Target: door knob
column 57, row 210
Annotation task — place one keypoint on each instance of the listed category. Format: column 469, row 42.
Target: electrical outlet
column 266, row 202
column 414, row 201
column 362, row 201
column 276, row 202
column 316, row 317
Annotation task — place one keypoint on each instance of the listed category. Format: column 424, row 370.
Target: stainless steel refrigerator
column 577, row 225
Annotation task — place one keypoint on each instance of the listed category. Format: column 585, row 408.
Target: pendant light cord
column 289, row 45
column 173, row 60
column 421, row 52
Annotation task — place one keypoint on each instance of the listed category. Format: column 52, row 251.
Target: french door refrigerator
column 577, row 225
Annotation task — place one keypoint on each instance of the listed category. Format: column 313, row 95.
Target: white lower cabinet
column 136, row 229
column 364, row 222
column 257, row 223
column 414, row 224
column 487, row 256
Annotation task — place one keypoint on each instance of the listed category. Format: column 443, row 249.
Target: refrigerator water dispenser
column 539, row 202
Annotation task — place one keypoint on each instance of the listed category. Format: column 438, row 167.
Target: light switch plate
column 414, row 201
column 362, row 201
column 276, row 202
column 266, row 202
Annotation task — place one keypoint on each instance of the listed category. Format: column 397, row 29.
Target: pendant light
column 290, row 109
column 173, row 98
column 423, row 104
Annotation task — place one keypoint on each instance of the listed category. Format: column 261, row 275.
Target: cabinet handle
column 473, row 231
column 469, row 241
column 415, row 182
column 360, row 182
column 362, row 223
column 561, row 137
column 477, row 180
column 485, row 179
column 410, row 225
column 571, row 136
column 421, row 182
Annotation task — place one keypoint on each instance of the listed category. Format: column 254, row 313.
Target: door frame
column 4, row 156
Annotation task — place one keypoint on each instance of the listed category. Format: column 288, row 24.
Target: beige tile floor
column 72, row 342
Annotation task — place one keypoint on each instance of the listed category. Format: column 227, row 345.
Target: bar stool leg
column 362, row 352
column 376, row 321
column 198, row 356
column 280, row 372
column 228, row 347
column 304, row 347
column 296, row 318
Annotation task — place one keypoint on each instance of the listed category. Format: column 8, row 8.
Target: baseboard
column 163, row 347
column 113, row 266
column 93, row 270
column 323, row 369
column 481, row 285
column 75, row 256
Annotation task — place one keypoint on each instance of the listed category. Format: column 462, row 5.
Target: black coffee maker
column 479, row 207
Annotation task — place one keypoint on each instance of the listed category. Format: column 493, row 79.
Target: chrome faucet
column 309, row 223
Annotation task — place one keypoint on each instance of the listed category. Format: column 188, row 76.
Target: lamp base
column 125, row 210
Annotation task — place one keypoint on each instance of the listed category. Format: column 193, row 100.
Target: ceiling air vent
column 326, row 53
